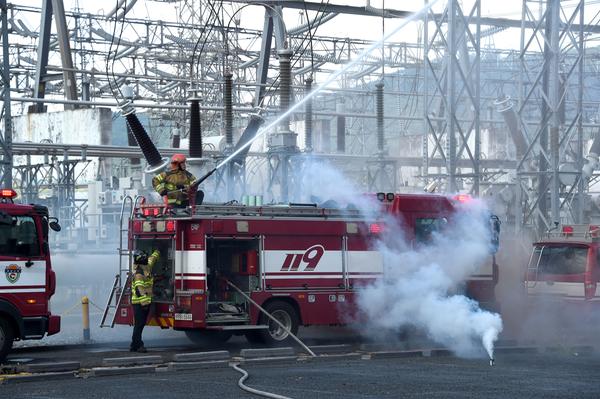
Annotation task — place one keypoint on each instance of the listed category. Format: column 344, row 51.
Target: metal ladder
column 533, row 270
column 122, row 278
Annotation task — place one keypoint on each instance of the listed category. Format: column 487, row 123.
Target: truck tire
column 287, row 315
column 6, row 338
column 208, row 338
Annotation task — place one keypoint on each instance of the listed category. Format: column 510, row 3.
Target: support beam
column 39, row 89
column 62, row 32
column 6, row 138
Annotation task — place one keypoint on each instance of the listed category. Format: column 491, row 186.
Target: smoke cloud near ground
column 543, row 319
column 418, row 285
column 420, row 282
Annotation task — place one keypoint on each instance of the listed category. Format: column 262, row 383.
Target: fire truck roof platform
column 282, row 210
column 328, row 209
column 572, row 234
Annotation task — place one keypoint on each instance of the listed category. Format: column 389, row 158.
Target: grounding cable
column 252, row 390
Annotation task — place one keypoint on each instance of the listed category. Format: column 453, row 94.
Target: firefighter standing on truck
column 141, row 294
column 174, row 185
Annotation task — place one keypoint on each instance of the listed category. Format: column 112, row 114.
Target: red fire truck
column 564, row 265
column 27, row 281
column 300, row 262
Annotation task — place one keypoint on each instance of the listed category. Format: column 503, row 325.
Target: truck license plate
column 183, row 316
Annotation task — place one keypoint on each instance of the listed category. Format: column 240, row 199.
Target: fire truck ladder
column 533, row 270
column 122, row 278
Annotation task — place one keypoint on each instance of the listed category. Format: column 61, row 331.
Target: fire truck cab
column 300, row 262
column 27, row 281
column 564, row 265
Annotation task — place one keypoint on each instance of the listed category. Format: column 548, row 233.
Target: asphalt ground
column 558, row 374
column 92, row 354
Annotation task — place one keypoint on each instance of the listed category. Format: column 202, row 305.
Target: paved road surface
column 562, row 374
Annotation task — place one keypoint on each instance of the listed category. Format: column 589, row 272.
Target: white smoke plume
column 420, row 283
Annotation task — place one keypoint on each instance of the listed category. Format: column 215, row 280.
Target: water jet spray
column 286, row 114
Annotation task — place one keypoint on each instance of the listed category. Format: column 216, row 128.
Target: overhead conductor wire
column 111, row 71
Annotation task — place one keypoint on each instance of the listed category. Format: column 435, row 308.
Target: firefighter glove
column 163, row 192
column 180, row 187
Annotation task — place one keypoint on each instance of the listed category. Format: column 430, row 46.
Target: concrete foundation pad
column 131, row 361
column 325, row 349
column 332, row 357
column 274, row 359
column 267, row 352
column 180, row 366
column 11, row 379
column 51, row 367
column 201, row 356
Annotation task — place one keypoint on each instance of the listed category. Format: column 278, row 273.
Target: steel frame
column 543, row 91
column 452, row 85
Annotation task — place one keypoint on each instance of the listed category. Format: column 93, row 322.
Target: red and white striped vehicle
column 301, row 263
column 27, row 281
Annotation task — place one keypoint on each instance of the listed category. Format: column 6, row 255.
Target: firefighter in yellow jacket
column 141, row 294
column 174, row 185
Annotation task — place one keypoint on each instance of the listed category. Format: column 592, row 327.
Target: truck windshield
column 19, row 238
column 425, row 227
column 560, row 260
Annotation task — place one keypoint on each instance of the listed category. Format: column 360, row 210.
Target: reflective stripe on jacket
column 143, row 282
column 169, row 181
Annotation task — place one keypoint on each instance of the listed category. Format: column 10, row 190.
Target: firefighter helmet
column 140, row 257
column 178, row 158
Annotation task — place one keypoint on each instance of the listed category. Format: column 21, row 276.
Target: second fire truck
column 27, row 281
column 301, row 263
column 565, row 265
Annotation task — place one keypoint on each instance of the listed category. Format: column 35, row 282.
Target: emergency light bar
column 463, row 198
column 151, row 210
column 8, row 193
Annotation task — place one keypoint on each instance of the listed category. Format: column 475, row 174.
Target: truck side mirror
column 54, row 225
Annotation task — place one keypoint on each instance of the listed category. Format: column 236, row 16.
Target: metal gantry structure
column 450, row 114
column 452, row 95
column 556, row 140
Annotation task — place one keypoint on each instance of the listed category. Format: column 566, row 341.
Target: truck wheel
column 208, row 338
column 6, row 338
column 286, row 315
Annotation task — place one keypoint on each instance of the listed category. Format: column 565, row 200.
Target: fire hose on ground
column 244, row 372
column 252, row 390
